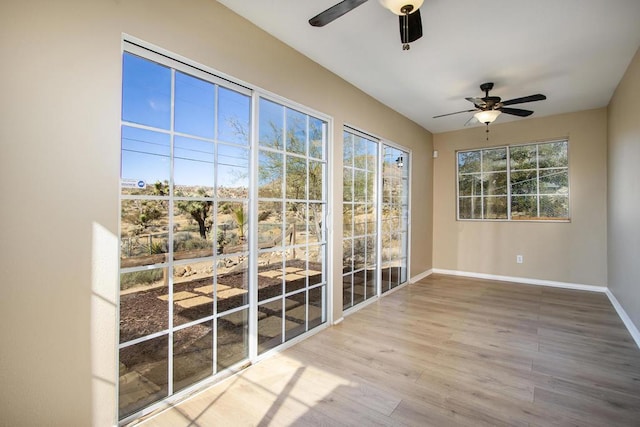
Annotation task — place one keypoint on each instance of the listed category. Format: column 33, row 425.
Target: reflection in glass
column 145, row 161
column 194, row 108
column 234, row 111
column 232, row 338
column 359, row 285
column 347, row 291
column 232, row 284
column 269, row 325
column 193, row 170
column 146, row 92
column 192, row 355
column 143, row 375
column 144, row 231
column 144, row 303
column 192, row 292
column 316, row 306
column 296, row 315
column 370, row 281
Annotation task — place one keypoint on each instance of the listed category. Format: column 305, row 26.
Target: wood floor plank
column 446, row 351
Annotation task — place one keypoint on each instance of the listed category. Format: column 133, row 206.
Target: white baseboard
column 525, row 280
column 633, row 330
column 421, row 276
column 338, row 321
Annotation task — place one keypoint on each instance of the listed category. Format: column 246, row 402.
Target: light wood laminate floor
column 447, row 351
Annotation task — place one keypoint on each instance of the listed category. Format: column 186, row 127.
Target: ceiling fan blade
column 414, row 27
column 530, row 98
column 478, row 102
column 516, row 112
column 457, row 112
column 335, row 12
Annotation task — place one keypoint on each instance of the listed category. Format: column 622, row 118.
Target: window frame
column 509, row 193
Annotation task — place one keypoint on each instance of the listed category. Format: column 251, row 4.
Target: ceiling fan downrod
column 406, row 9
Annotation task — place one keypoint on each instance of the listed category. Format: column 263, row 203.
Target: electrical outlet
column 519, row 259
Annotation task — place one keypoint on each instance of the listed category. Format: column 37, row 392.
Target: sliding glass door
column 394, row 217
column 222, row 227
column 360, row 229
column 375, row 212
column 292, row 244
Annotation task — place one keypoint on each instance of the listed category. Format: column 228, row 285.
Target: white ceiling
column 573, row 51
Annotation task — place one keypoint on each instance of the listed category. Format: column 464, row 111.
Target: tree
column 200, row 211
column 241, row 220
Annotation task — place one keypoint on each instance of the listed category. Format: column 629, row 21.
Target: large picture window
column 523, row 182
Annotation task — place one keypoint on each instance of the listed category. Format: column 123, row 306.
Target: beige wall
column 624, row 192
column 60, row 111
column 573, row 252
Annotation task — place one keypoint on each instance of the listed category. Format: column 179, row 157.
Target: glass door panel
column 395, row 217
column 291, row 223
column 359, row 213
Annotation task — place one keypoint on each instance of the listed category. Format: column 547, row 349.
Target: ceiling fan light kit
column 488, row 108
column 401, row 7
column 488, row 116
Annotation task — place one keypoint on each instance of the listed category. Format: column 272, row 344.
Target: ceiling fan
column 408, row 12
column 488, row 108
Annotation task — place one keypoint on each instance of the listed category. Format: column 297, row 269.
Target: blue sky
column 147, row 101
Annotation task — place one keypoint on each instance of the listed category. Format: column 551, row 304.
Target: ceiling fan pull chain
column 405, row 29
